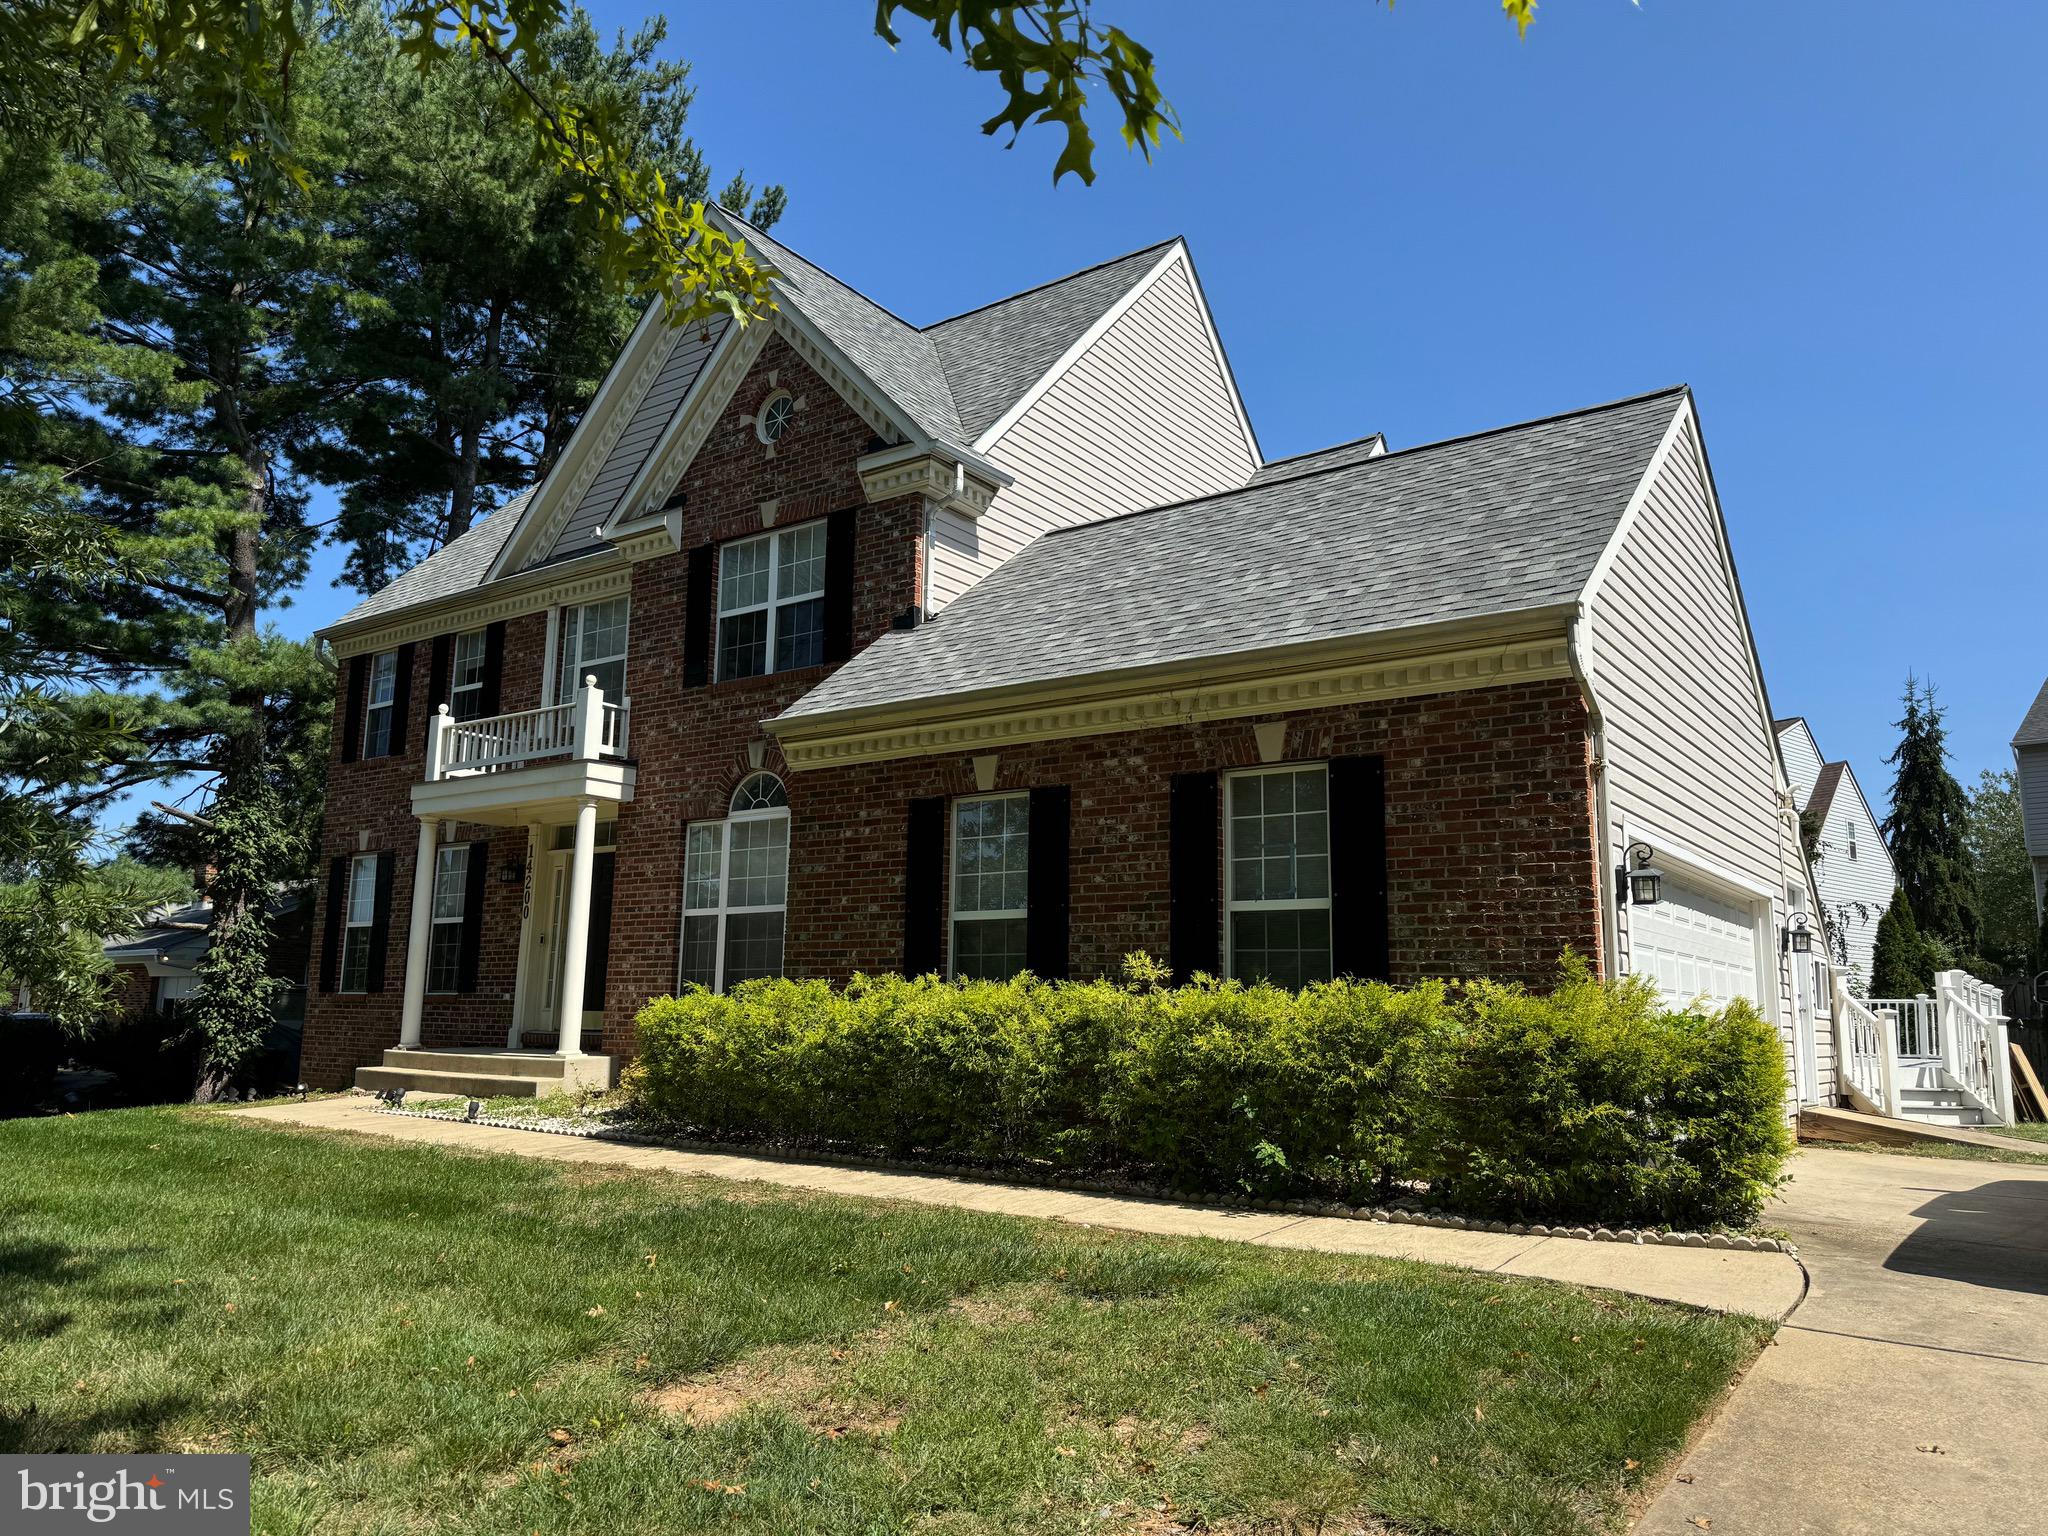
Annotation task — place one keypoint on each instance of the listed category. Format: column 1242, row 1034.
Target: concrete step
column 541, row 1064
column 462, row 1085
column 481, row 1074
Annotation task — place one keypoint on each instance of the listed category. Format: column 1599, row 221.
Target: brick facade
column 1490, row 822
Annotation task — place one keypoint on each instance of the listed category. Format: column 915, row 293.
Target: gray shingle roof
column 456, row 568
column 994, row 354
column 1498, row 523
column 2033, row 731
column 900, row 359
column 1371, row 446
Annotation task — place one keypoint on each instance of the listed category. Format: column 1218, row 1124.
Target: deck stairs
column 485, row 1074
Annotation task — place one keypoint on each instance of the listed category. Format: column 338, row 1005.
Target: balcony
column 529, row 767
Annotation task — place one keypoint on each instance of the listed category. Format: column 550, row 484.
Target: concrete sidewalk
column 1759, row 1284
column 1909, row 1395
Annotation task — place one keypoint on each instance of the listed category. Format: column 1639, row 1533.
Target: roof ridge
column 1388, row 457
column 861, row 293
column 1315, row 453
column 1053, row 282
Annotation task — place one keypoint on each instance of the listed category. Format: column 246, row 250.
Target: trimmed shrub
column 1589, row 1103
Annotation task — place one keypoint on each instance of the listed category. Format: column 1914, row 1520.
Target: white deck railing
column 1870, row 1059
column 586, row 727
column 1919, row 1023
column 1961, row 1028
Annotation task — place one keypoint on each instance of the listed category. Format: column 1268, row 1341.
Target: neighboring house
column 156, row 968
column 2030, row 761
column 837, row 643
column 1852, row 870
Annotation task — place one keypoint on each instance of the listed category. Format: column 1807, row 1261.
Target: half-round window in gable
column 775, row 415
column 759, row 792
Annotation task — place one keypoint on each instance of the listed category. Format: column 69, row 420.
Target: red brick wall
column 1492, row 866
column 689, row 745
column 134, row 991
column 1490, row 841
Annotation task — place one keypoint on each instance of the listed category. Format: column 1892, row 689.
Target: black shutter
column 441, row 674
column 597, row 956
column 401, row 698
column 352, row 708
column 1193, row 831
column 494, row 668
column 1358, row 868
column 697, row 636
column 472, row 917
column 839, row 532
column 330, row 943
column 1049, row 882
column 924, row 888
column 380, row 922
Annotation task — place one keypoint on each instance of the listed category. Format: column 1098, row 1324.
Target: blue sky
column 1826, row 217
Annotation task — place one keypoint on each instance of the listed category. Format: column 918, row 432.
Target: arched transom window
column 735, row 888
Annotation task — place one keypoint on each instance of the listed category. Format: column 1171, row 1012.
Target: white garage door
column 1694, row 945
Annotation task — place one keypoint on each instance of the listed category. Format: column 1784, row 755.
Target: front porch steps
column 485, row 1074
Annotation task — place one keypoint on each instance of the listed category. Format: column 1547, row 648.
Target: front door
column 553, row 893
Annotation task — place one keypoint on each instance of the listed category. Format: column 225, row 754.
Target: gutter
column 1577, row 648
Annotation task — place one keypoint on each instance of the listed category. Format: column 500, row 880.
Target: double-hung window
column 359, row 914
column 380, row 705
column 735, row 889
column 991, row 846
column 466, row 687
column 592, row 643
column 1277, row 848
column 771, row 602
column 451, row 901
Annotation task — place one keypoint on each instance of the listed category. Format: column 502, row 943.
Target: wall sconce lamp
column 1799, row 935
column 1641, row 883
column 512, row 874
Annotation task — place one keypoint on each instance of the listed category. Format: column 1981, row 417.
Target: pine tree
column 1928, row 828
column 1899, row 963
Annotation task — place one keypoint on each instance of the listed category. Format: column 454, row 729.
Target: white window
column 358, row 914
column 1852, row 839
column 380, row 705
column 592, row 643
column 774, row 416
column 451, row 892
column 991, row 846
column 1277, row 848
column 466, row 687
column 735, row 887
column 174, row 991
column 771, row 602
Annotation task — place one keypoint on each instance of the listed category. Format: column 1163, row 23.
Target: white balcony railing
column 1870, row 1055
column 586, row 728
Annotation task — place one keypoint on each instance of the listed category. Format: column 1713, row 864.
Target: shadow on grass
column 40, row 1428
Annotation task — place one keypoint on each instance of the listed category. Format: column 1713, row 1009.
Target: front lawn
column 410, row 1340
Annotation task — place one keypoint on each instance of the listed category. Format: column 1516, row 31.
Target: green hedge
column 1588, row 1103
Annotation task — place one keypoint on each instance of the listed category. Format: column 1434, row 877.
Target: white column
column 528, row 920
column 576, row 931
column 418, row 935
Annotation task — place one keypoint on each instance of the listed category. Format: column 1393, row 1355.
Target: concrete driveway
column 1909, row 1393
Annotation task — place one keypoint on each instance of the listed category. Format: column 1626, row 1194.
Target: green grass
column 1961, row 1150
column 411, row 1340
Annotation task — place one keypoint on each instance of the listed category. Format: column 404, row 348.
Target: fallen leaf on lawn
column 470, row 1361
column 513, row 1393
column 1432, row 1461
column 560, row 1436
column 177, row 1282
column 230, row 1306
column 653, row 1259
column 1063, row 1450
column 1478, row 1413
column 906, row 1269
column 838, row 1354
column 640, row 1364
column 1259, row 1390
column 888, row 1306
column 595, row 1312
column 1629, row 1464
column 1575, row 1338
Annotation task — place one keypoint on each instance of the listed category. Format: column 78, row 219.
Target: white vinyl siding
column 1143, row 417
column 1854, row 892
column 1802, row 758
column 1690, row 755
column 2032, row 765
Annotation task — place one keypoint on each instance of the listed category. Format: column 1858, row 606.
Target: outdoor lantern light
column 1799, row 936
column 1643, row 883
column 511, row 874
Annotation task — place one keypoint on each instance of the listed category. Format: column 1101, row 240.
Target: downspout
column 1576, row 649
